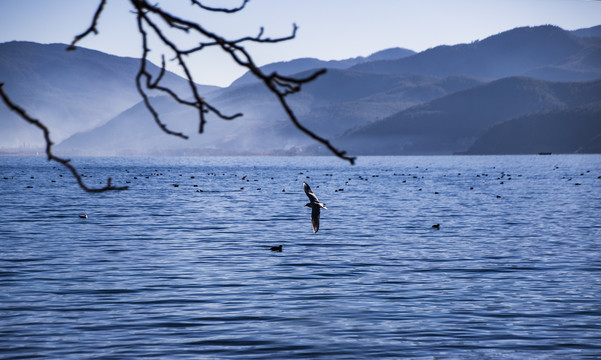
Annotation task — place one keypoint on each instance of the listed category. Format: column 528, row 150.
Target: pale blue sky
column 328, row 29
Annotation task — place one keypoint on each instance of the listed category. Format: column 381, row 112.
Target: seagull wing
column 310, row 195
column 315, row 217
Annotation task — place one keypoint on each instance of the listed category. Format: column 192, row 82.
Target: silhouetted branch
column 281, row 86
column 229, row 11
column 282, row 98
column 91, row 29
column 49, row 144
column 143, row 73
column 147, row 15
column 200, row 104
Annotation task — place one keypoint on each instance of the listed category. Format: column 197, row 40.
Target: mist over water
column 179, row 265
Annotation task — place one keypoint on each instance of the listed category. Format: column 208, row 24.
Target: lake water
column 186, row 272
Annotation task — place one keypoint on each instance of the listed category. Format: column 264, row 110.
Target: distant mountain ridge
column 517, row 52
column 300, row 65
column 594, row 31
column 570, row 130
column 70, row 91
column 322, row 106
column 448, row 99
column 454, row 110
column 453, row 123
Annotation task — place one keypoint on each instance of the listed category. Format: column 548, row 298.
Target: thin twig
column 225, row 10
column 143, row 73
column 65, row 162
column 91, row 29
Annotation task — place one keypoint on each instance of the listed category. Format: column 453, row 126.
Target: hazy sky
column 328, row 29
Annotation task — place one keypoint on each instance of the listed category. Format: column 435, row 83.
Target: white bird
column 315, row 206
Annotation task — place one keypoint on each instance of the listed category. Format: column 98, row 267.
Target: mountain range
column 490, row 96
column 544, row 52
column 454, row 123
column 299, row 65
column 70, row 91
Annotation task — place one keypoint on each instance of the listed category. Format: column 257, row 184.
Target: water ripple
column 168, row 272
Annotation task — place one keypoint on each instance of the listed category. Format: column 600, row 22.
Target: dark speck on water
column 166, row 274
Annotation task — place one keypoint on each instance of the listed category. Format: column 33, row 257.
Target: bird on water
column 315, row 206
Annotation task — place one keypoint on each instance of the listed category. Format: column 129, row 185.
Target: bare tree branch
column 91, row 29
column 147, row 15
column 280, row 86
column 143, row 73
column 200, row 104
column 65, row 162
column 229, row 11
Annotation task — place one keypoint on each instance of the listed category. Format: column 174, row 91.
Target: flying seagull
column 315, row 206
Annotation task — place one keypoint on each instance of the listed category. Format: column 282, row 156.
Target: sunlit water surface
column 179, row 266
